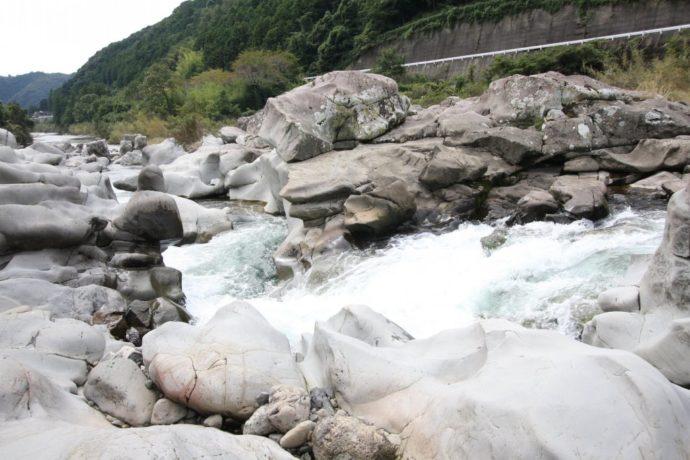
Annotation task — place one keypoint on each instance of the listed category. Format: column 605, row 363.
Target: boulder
column 140, row 141
column 260, row 180
column 471, row 392
column 418, row 126
column 153, row 216
column 217, row 372
column 363, row 323
column 162, row 154
column 8, row 155
column 287, row 407
column 126, row 146
column 118, row 387
column 458, row 120
column 8, row 139
column 348, row 437
column 40, row 227
column 584, row 197
column 514, row 145
column 652, row 155
column 380, row 211
column 27, row 393
column 451, row 166
column 338, row 106
column 564, row 135
column 534, row 206
column 297, row 436
column 624, row 298
column 98, row 148
column 166, row 412
column 660, row 182
column 59, row 349
column 151, row 178
column 229, row 134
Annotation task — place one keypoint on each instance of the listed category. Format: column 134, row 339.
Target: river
column 545, row 275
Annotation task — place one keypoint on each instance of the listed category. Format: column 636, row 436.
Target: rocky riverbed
column 97, row 356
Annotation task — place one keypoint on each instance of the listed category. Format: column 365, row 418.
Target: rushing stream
column 545, row 275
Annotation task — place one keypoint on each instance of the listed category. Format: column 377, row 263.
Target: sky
column 61, row 35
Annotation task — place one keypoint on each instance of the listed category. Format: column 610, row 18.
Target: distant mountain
column 29, row 89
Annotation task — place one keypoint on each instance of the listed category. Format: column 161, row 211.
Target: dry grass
column 668, row 76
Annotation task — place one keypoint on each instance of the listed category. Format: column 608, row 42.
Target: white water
column 545, row 275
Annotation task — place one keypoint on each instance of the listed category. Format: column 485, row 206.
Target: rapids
column 545, row 275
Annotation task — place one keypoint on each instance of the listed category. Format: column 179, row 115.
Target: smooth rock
column 167, row 412
column 163, row 153
column 338, row 106
column 118, row 387
column 626, row 298
column 211, row 371
column 349, row 438
column 298, row 436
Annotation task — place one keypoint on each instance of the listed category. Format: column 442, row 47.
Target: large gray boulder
column 380, row 211
column 229, row 134
column 335, row 107
column 40, row 227
column 451, row 166
column 151, row 215
column 118, row 387
column 220, row 368
column 651, row 155
column 516, row 146
column 582, row 196
column 98, row 148
column 162, row 154
column 470, row 393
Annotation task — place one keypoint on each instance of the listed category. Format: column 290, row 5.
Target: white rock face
column 658, row 332
column 221, row 367
column 338, row 106
column 496, row 388
column 56, row 348
column 48, row 440
column 27, row 393
column 8, row 139
column 118, row 387
column 163, row 153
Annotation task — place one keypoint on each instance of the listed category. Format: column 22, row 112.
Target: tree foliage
column 15, row 119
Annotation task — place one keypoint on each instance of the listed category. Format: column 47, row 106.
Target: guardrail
column 524, row 49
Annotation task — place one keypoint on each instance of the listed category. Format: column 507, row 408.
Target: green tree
column 263, row 74
column 16, row 120
column 390, row 63
column 157, row 91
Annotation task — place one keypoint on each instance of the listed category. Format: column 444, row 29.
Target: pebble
column 297, row 436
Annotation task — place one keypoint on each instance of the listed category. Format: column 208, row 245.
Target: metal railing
column 524, row 49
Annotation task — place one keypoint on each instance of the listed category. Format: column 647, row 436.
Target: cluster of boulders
column 652, row 318
column 345, row 157
column 96, row 352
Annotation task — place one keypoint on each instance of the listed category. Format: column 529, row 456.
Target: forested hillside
column 216, row 59
column 30, row 89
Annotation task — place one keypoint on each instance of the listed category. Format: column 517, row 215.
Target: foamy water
column 545, row 275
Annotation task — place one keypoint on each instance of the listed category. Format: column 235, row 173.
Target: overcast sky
column 61, row 35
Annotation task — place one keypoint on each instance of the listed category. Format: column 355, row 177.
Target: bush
column 390, row 63
column 15, row 119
